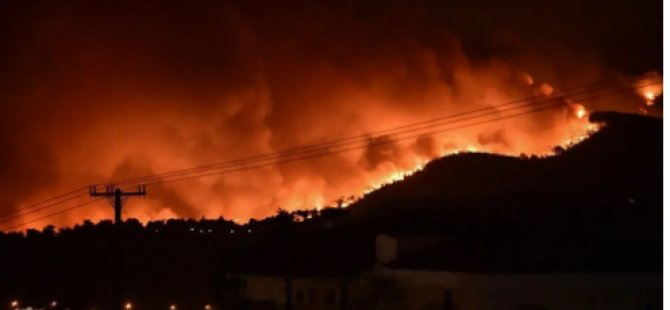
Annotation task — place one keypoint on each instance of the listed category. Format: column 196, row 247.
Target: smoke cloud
column 92, row 91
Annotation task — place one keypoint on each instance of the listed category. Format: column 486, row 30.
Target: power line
column 52, row 214
column 189, row 175
column 158, row 178
column 275, row 163
column 37, row 204
column 36, row 209
column 335, row 143
column 326, row 153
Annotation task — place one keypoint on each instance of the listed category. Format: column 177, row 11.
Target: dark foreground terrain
column 596, row 208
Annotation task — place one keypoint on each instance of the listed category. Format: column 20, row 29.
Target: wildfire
column 399, row 175
column 650, row 88
column 313, row 185
column 395, row 176
column 650, row 96
column 527, row 78
column 572, row 141
column 580, row 110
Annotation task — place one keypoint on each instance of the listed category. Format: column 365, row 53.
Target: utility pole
column 117, row 199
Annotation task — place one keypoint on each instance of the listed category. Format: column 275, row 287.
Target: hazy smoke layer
column 97, row 90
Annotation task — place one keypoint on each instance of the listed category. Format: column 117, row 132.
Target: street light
column 129, row 306
column 15, row 303
column 207, row 307
column 54, row 303
column 173, row 307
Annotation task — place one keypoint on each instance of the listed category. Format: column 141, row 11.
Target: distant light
column 209, row 230
column 207, row 307
column 232, row 231
column 15, row 303
column 129, row 306
column 54, row 303
column 192, row 229
column 173, row 307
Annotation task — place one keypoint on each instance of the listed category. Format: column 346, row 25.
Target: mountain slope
column 617, row 169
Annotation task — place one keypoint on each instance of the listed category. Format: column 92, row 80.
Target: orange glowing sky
column 99, row 92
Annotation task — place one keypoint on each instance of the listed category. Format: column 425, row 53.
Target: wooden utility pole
column 117, row 198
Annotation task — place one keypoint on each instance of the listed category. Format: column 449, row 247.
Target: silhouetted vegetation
column 594, row 208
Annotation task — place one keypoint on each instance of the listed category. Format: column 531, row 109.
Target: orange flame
column 586, row 131
column 649, row 88
column 580, row 110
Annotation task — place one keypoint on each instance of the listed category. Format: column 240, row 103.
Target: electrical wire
column 310, row 153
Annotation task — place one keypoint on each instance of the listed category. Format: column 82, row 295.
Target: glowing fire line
column 401, row 175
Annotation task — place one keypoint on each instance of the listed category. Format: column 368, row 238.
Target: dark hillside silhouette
column 616, row 170
column 595, row 208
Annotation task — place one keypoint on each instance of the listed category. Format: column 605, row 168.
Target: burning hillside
column 122, row 92
column 612, row 174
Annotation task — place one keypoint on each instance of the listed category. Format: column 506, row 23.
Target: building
column 437, row 273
